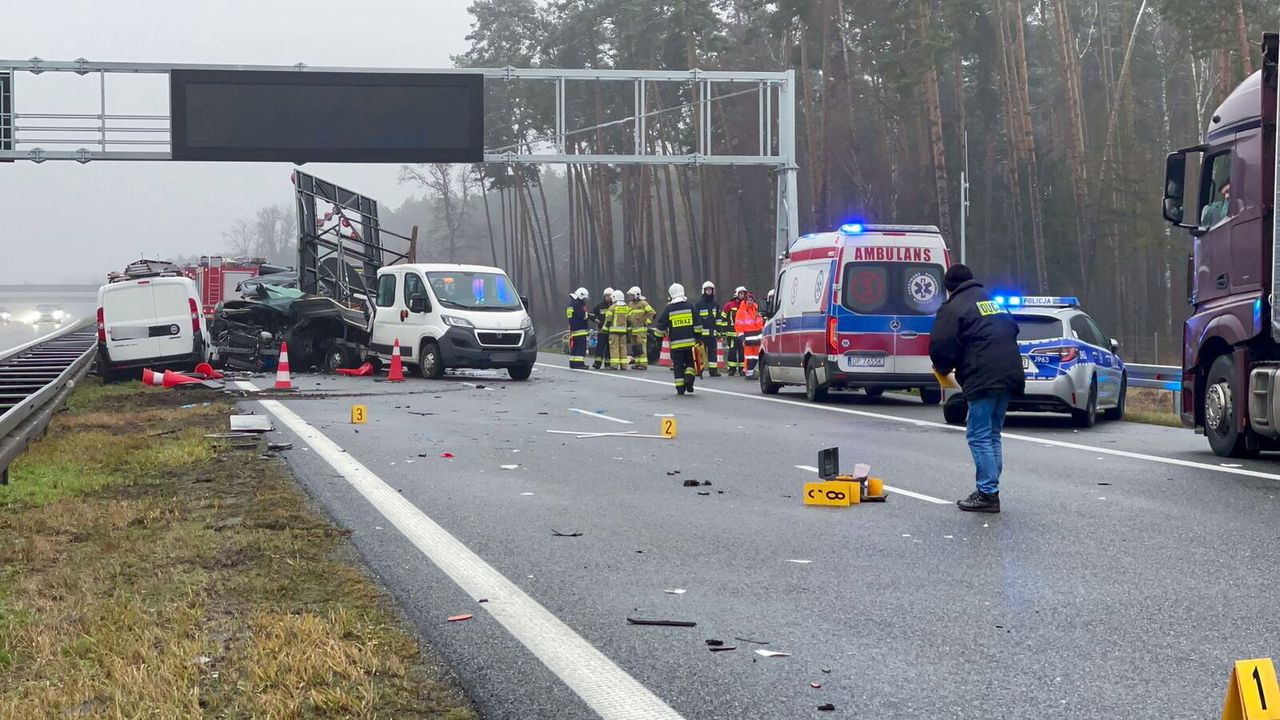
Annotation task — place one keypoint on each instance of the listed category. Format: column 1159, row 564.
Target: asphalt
column 1112, row 585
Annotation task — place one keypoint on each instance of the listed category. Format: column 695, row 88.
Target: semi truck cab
column 1223, row 191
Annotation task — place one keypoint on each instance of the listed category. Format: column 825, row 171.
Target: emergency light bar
column 1037, row 300
column 860, row 228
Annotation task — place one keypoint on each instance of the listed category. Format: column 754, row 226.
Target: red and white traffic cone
column 206, row 370
column 152, row 378
column 664, row 356
column 396, row 373
column 721, row 362
column 283, row 381
column 172, row 379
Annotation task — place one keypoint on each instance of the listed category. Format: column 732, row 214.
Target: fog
column 67, row 222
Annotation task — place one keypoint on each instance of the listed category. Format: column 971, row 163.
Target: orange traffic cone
column 152, row 378
column 664, row 357
column 206, row 370
column 396, row 374
column 172, row 379
column 720, row 358
column 283, row 382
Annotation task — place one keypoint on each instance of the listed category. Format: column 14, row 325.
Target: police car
column 1071, row 366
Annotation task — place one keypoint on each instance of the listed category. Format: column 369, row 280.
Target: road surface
column 1129, row 569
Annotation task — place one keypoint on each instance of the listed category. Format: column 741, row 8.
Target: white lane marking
column 943, row 426
column 590, row 433
column 602, row 416
column 892, row 489
column 602, row 685
column 246, row 386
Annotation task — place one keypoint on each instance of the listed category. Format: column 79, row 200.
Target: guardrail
column 1157, row 377
column 35, row 380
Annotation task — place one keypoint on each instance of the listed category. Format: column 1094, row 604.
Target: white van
column 152, row 322
column 452, row 316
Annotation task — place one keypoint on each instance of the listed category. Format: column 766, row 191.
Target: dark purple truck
column 1231, row 342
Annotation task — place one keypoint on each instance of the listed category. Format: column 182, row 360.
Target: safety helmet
column 581, row 294
column 635, row 290
column 608, row 292
column 708, row 285
column 676, row 290
column 739, row 289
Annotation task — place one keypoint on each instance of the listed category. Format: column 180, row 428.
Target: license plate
column 502, row 357
column 865, row 360
column 1026, row 363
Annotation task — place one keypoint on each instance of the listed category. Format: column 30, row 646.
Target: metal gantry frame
column 142, row 136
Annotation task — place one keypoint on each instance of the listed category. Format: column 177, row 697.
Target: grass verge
column 145, row 572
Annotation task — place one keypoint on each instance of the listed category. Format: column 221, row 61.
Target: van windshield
column 880, row 288
column 474, row 291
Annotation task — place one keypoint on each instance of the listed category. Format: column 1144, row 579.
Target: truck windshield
column 474, row 290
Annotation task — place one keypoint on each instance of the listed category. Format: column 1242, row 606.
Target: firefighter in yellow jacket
column 616, row 320
column 640, row 317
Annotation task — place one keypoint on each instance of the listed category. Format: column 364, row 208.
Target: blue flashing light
column 851, row 228
column 1050, row 301
column 1015, row 301
column 999, row 299
column 1257, row 314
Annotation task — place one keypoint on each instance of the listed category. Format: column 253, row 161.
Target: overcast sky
column 69, row 222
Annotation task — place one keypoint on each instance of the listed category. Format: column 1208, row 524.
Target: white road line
column 246, row 386
column 602, row 685
column 602, row 416
column 892, row 489
column 943, row 426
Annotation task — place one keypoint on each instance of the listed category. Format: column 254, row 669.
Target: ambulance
column 852, row 309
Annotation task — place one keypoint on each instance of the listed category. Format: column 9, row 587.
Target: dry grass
column 1154, row 407
column 151, row 575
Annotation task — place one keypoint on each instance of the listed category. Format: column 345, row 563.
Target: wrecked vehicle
column 321, row 332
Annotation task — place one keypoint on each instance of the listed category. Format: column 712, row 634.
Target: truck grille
column 506, row 338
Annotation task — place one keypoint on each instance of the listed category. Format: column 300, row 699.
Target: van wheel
column 520, row 372
column 767, row 385
column 429, row 363
column 1089, row 415
column 873, row 392
column 955, row 411
column 1221, row 393
column 1117, row 412
column 930, row 396
column 812, row 390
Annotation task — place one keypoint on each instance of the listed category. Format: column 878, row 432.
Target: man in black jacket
column 706, row 323
column 597, row 319
column 978, row 339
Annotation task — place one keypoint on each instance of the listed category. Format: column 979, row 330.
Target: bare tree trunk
column 934, row 107
column 1070, row 73
column 1242, row 38
column 488, row 221
column 1029, row 149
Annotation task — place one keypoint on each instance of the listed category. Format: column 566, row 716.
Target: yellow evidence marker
column 1252, row 691
column 359, row 414
column 669, row 428
column 831, row 492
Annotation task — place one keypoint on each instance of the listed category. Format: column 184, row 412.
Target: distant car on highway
column 1071, row 366
column 48, row 314
column 5, row 315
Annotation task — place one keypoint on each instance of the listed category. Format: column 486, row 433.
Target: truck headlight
column 456, row 321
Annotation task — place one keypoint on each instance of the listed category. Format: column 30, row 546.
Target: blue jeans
column 986, row 420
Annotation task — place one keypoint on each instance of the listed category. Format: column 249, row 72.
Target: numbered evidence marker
column 1252, row 691
column 669, row 428
column 830, row 492
column 359, row 414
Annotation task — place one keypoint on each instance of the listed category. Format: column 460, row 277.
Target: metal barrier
column 35, row 381
column 1157, row 377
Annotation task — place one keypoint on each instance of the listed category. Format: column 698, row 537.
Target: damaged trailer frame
column 328, row 319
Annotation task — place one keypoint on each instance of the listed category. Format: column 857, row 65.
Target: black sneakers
column 980, row 502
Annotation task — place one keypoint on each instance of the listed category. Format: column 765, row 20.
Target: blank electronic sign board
column 305, row 116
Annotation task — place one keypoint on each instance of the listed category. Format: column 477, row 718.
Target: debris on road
column 446, row 455
column 678, row 591
column 771, row 653
column 827, row 707
column 715, row 643
column 749, row 640
column 423, row 414
column 664, row 623
column 509, row 467
column 704, row 492
column 673, row 473
column 722, row 648
column 460, row 618
column 800, row 562
column 690, row 483
column 251, row 423
column 570, row 533
column 280, row 446
column 815, row 685
column 706, row 483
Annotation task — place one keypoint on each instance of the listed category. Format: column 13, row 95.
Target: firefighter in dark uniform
column 602, row 337
column 708, row 326
column 579, row 328
column 677, row 321
column 978, row 339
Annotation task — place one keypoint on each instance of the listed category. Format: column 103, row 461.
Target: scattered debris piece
column 715, row 643
column 460, row 618
column 827, row 707
column 826, row 670
column 446, row 455
column 570, row 533
column 690, row 483
column 251, row 423
column 1102, row 483
column 678, row 591
column 673, row 473
column 508, row 467
column 526, row 493
column 158, row 433
column 483, row 600
column 701, row 492
column 749, row 640
column 706, row 483
column 423, row 414
column 800, row 562
column 664, row 623
column 283, row 446
column 815, row 685
column 722, row 648
column 771, row 653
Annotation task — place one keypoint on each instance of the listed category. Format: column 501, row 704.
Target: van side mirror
column 419, row 304
column 768, row 307
column 524, row 300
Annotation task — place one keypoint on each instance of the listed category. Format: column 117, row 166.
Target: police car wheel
column 1089, row 415
column 812, row 390
column 1117, row 412
column 955, row 411
column 1220, row 395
